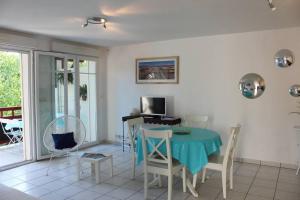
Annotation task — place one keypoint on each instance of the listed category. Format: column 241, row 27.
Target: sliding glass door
column 65, row 85
column 15, row 115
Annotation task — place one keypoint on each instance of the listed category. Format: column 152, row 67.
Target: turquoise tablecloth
column 191, row 150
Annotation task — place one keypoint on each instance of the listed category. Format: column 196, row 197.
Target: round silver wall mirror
column 252, row 85
column 284, row 58
column 295, row 90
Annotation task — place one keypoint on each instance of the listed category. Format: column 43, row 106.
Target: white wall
column 210, row 69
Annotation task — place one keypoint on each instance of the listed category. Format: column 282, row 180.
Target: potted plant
column 60, row 78
column 83, row 92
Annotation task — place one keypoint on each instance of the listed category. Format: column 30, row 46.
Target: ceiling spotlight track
column 95, row 20
column 271, row 5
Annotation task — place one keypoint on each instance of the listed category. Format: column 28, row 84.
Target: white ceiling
column 133, row 21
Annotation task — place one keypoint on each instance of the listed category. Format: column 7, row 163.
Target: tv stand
column 152, row 119
column 151, row 116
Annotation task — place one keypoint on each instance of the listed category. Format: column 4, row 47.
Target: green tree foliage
column 10, row 82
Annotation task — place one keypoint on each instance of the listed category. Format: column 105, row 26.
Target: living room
column 214, row 51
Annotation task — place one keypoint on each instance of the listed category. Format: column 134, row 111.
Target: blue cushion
column 64, row 140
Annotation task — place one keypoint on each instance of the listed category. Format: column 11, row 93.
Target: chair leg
column 97, row 172
column 298, row 168
column 159, row 181
column 224, row 183
column 231, row 177
column 195, row 176
column 18, row 138
column 112, row 167
column 170, row 186
column 133, row 165
column 68, row 158
column 10, row 141
column 51, row 157
column 184, row 179
column 13, row 140
column 203, row 175
column 145, row 185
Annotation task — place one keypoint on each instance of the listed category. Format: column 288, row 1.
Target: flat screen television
column 153, row 105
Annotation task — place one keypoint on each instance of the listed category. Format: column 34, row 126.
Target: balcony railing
column 11, row 112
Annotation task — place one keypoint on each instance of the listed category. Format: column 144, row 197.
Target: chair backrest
column 2, row 122
column 134, row 126
column 63, row 125
column 157, row 147
column 5, row 121
column 196, row 121
column 231, row 146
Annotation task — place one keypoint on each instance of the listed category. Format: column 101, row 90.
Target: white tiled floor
column 10, row 154
column 251, row 182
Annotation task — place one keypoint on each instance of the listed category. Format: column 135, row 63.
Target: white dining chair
column 157, row 163
column 220, row 163
column 134, row 125
column 196, row 121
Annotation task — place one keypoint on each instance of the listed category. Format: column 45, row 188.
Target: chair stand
column 133, row 164
column 51, row 157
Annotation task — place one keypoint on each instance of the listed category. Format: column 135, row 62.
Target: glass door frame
column 65, row 58
column 26, row 103
column 96, row 60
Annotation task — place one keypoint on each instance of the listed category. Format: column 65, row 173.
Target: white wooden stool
column 95, row 159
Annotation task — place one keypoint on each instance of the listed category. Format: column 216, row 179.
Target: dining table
column 14, row 124
column 190, row 146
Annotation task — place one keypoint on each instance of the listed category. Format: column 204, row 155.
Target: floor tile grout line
column 252, row 181
column 220, row 192
column 276, row 183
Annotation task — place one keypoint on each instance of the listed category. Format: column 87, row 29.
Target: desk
column 191, row 150
column 151, row 120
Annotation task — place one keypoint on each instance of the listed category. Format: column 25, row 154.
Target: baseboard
column 111, row 142
column 267, row 163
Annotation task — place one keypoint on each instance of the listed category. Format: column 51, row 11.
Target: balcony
column 10, row 151
column 11, row 112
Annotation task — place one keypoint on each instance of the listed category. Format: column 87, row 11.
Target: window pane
column 59, row 94
column 71, row 94
column 59, row 64
column 92, row 67
column 88, row 109
column 70, row 65
column 83, row 66
column 93, row 109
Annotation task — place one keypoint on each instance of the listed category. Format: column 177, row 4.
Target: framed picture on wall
column 157, row 70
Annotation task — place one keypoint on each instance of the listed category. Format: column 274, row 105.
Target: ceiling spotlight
column 95, row 20
column 271, row 5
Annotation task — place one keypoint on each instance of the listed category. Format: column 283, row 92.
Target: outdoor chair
column 11, row 128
